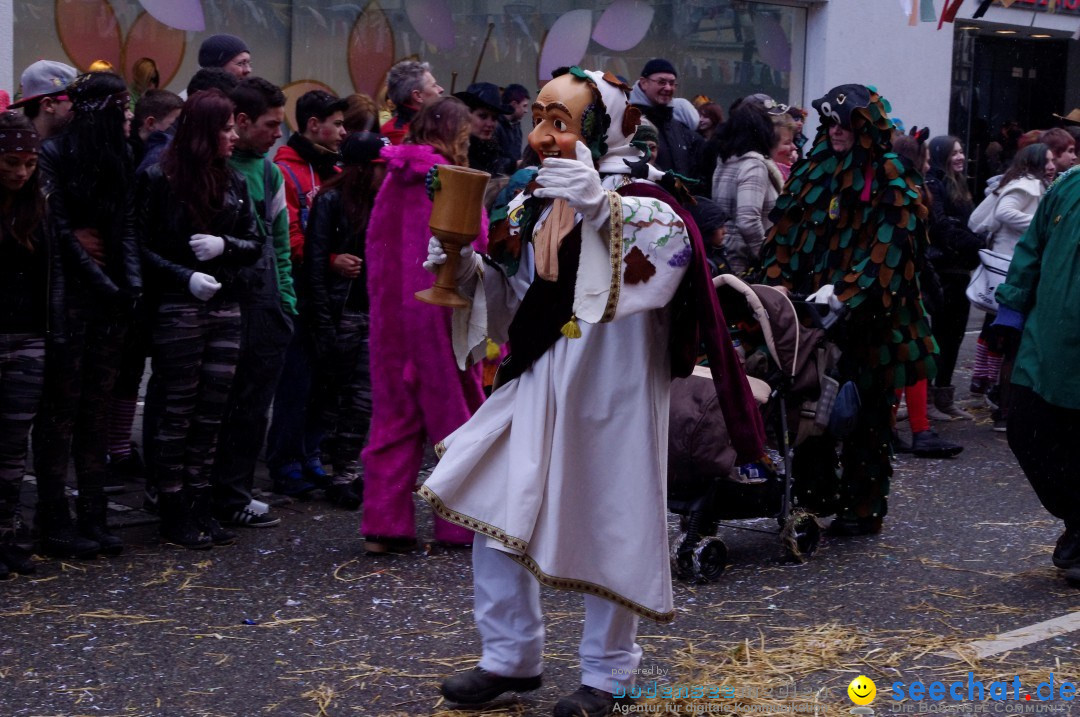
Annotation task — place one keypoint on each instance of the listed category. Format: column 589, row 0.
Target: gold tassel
column 492, row 351
column 570, row 329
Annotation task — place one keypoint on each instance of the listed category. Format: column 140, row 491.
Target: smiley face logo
column 862, row 690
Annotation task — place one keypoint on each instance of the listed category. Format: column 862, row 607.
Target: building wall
column 721, row 48
column 871, row 43
column 7, row 43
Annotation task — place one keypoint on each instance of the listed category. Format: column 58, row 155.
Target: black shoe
column 1067, row 550
column 202, row 512
column 899, row 445
column 851, row 527
column 589, row 702
column 13, row 558
column 16, row 560
column 347, row 495
column 57, row 537
column 477, row 686
column 928, row 444
column 293, row 484
column 178, row 524
column 91, row 512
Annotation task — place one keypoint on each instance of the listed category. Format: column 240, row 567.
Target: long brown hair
column 941, row 149
column 444, row 125
column 27, row 204
column 358, row 184
column 1028, row 162
column 193, row 164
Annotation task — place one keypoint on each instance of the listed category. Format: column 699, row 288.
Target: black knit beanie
column 217, row 50
column 658, row 64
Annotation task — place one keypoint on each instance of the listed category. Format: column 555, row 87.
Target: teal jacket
column 252, row 167
column 1044, row 285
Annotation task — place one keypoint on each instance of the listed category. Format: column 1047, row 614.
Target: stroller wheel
column 709, row 559
column 801, row 536
column 682, row 557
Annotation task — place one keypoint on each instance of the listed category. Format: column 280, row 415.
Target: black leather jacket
column 327, row 292
column 164, row 228
column 42, row 271
column 120, row 280
column 954, row 249
column 680, row 148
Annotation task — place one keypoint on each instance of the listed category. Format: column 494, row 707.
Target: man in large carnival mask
column 847, row 227
column 561, row 473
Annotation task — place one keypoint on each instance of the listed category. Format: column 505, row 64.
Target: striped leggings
column 22, row 376
column 196, row 347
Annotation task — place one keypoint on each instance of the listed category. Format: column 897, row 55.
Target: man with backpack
column 309, row 158
column 267, row 306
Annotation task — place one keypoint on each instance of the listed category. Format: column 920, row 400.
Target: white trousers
column 507, row 610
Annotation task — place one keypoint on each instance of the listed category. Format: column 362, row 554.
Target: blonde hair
column 783, row 121
column 144, row 76
column 101, row 66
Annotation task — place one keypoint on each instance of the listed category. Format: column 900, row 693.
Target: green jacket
column 1044, row 284
column 252, row 167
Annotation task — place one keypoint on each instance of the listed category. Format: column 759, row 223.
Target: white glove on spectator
column 206, row 246
column 578, row 183
column 826, row 295
column 436, row 257
column 203, row 286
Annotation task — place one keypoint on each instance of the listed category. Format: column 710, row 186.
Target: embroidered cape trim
column 517, row 544
column 616, row 242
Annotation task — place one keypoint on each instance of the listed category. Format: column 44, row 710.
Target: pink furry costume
column 418, row 393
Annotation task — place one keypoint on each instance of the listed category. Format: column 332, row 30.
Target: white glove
column 206, row 246
column 826, row 295
column 578, row 183
column 203, row 286
column 436, row 257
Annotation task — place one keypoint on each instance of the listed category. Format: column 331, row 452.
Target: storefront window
column 723, row 48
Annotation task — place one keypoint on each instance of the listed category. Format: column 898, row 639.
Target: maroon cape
column 696, row 320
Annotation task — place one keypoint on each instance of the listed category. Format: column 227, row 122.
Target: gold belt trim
column 616, row 243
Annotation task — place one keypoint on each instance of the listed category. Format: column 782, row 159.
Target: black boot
column 13, row 558
column 1067, row 551
column 57, row 537
column 347, row 490
column 928, row 444
column 91, row 511
column 589, row 702
column 203, row 512
column 178, row 524
column 477, row 686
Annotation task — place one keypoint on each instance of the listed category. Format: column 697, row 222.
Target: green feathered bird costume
column 858, row 221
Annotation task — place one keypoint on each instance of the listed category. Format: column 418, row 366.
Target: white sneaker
column 255, row 514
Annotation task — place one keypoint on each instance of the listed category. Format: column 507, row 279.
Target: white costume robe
column 565, row 466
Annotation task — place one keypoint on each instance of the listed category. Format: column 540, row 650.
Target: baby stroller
column 787, row 360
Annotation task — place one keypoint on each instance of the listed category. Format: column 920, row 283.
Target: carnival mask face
column 557, row 117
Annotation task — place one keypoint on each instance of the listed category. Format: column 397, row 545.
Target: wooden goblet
column 456, row 213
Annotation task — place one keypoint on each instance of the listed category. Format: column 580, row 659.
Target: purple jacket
column 404, row 330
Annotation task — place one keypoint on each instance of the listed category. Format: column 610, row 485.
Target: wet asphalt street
column 296, row 620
